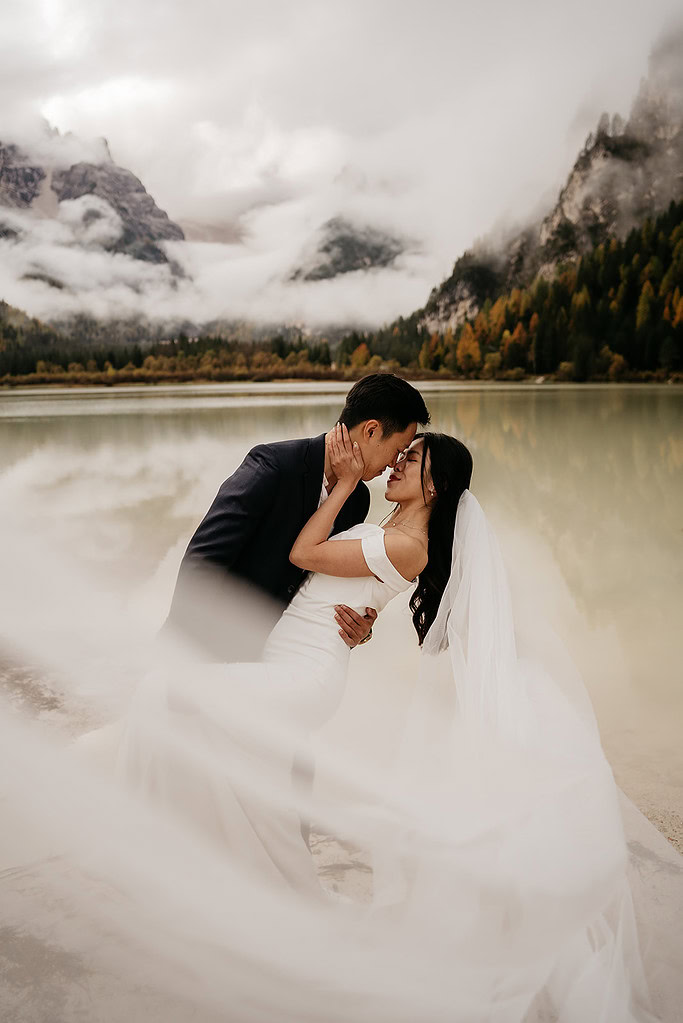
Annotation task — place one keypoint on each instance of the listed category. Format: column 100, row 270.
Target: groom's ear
column 370, row 428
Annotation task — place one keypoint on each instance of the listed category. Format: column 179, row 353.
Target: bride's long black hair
column 450, row 469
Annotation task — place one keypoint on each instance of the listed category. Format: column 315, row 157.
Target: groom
column 251, row 526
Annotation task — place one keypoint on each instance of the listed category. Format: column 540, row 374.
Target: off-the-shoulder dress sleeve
column 378, row 562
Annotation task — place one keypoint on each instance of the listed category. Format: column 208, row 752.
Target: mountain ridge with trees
column 616, row 315
column 626, row 172
column 592, row 291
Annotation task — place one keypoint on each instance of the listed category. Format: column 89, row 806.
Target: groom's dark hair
column 393, row 402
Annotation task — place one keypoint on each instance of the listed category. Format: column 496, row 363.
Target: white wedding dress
column 238, row 791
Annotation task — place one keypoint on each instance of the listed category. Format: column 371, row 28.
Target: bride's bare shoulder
column 407, row 554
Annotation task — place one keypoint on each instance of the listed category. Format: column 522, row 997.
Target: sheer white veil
column 474, row 622
column 501, row 888
column 517, row 824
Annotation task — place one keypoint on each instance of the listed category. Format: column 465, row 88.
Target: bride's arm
column 313, row 550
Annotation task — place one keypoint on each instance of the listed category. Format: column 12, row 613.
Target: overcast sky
column 435, row 120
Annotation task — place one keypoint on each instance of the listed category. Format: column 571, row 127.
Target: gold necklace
column 408, row 526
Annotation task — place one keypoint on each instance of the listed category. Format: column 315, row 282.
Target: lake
column 583, row 483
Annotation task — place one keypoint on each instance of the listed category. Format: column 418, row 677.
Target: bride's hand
column 345, row 456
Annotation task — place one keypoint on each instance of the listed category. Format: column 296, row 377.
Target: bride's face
column 405, row 482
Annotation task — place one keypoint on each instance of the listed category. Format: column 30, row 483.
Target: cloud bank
column 251, row 128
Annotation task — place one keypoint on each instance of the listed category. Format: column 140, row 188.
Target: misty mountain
column 342, row 247
column 625, row 172
column 16, row 321
column 82, row 241
column 21, row 334
column 61, row 196
column 94, row 203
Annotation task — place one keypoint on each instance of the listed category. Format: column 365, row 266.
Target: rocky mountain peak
column 55, row 169
column 657, row 110
column 625, row 172
column 342, row 247
column 144, row 225
column 20, row 178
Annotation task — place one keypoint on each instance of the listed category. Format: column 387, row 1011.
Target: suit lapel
column 314, row 462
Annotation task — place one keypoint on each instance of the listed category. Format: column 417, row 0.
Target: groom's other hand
column 354, row 628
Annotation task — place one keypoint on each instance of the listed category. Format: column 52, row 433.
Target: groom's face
column 379, row 450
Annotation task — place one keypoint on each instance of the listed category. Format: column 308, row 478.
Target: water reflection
column 599, row 475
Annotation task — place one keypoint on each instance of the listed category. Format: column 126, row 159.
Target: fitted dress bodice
column 307, row 634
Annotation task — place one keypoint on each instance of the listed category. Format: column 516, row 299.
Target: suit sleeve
column 200, row 606
column 238, row 507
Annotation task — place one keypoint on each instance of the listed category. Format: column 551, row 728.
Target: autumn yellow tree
column 678, row 316
column 481, row 330
column 568, row 279
column 450, row 359
column 618, row 367
column 468, row 352
column 432, row 352
column 514, row 348
column 514, row 303
column 644, row 310
column 497, row 320
column 360, row 356
column 492, row 364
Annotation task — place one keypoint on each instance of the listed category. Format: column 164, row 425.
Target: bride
column 499, row 884
column 499, row 844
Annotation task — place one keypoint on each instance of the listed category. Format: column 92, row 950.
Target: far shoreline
column 101, row 383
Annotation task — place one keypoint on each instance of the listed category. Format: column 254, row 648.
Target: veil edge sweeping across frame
column 503, row 887
column 515, row 801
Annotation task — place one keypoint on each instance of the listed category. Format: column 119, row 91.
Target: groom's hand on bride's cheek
column 354, row 628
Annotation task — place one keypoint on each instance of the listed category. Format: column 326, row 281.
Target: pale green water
column 585, row 485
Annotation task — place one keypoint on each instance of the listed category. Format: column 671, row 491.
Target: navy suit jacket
column 248, row 533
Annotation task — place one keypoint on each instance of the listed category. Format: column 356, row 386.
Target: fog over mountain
column 296, row 162
column 626, row 171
